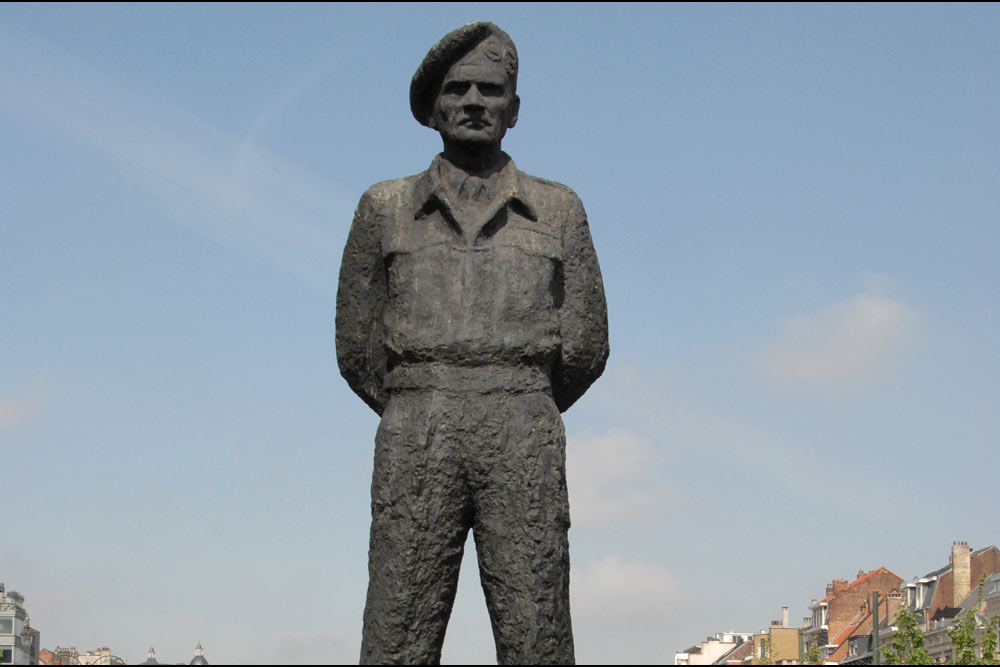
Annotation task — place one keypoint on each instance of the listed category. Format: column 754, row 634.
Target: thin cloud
column 659, row 406
column 222, row 187
column 16, row 412
column 611, row 476
column 620, row 608
column 846, row 343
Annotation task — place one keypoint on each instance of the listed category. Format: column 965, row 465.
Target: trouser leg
column 521, row 525
column 420, row 520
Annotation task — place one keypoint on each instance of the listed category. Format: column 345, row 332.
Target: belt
column 468, row 379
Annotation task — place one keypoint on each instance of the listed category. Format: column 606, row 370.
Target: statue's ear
column 516, row 108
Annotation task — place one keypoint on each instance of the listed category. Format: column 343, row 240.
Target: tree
column 16, row 597
column 990, row 642
column 964, row 634
column 963, row 637
column 907, row 644
column 765, row 651
column 813, row 657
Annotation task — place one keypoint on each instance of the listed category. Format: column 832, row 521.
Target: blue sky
column 796, row 214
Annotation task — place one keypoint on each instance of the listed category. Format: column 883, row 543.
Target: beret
column 444, row 54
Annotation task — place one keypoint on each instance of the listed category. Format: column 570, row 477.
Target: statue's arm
column 583, row 315
column 361, row 299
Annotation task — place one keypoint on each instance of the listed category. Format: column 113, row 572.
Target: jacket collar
column 431, row 194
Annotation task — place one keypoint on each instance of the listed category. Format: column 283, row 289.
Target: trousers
column 447, row 462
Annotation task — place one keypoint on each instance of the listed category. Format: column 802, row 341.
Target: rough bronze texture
column 470, row 313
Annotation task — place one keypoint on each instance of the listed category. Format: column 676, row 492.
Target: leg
column 521, row 525
column 420, row 519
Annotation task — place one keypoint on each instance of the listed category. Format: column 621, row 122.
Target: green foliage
column 964, row 635
column 16, row 597
column 765, row 651
column 907, row 644
column 963, row 638
column 989, row 656
column 812, row 657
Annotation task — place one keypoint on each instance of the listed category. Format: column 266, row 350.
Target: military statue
column 470, row 314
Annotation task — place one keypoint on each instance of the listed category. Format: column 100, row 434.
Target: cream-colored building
column 712, row 649
column 779, row 645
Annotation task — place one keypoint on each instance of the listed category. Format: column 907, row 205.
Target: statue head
column 466, row 86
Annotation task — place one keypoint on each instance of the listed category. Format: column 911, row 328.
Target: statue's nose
column 473, row 98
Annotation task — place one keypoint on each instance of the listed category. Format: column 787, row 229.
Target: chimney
column 784, row 617
column 892, row 603
column 961, row 572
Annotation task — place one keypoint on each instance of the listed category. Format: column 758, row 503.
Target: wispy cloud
column 222, row 186
column 845, row 343
column 620, row 609
column 612, row 476
column 14, row 412
column 660, row 409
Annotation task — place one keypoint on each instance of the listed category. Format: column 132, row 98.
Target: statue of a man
column 470, row 313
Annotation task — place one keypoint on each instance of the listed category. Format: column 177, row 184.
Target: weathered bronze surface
column 470, row 313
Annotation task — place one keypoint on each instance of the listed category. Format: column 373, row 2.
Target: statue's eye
column 491, row 89
column 456, row 87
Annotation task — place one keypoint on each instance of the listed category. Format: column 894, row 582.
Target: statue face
column 476, row 103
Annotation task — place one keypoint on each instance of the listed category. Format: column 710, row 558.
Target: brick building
column 938, row 593
column 940, row 596
column 855, row 645
column 834, row 614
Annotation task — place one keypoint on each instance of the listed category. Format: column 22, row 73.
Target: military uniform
column 469, row 324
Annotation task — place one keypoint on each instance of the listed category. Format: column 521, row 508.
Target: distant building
column 939, row 593
column 740, row 655
column 65, row 656
column 855, row 646
column 780, row 645
column 100, row 656
column 712, row 649
column 947, row 592
column 70, row 656
column 199, row 656
column 19, row 642
column 833, row 616
column 198, row 659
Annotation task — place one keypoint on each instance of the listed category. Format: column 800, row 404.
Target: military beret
column 451, row 48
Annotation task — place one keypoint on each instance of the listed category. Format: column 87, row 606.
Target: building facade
column 712, row 649
column 833, row 616
column 19, row 642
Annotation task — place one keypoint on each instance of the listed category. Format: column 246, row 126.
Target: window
column 6, row 626
column 6, row 655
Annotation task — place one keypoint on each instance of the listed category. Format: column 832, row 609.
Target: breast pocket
column 524, row 271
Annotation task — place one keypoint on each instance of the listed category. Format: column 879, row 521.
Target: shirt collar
column 432, row 194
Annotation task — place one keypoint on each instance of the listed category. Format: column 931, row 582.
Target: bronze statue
column 470, row 313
